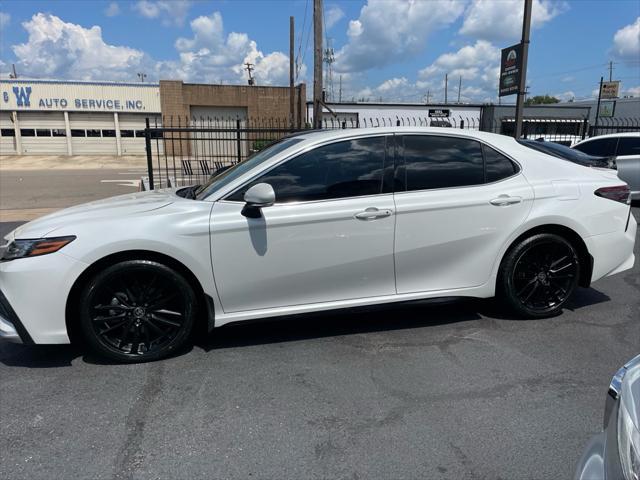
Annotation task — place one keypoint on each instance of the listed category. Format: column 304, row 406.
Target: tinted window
column 58, row 132
column 343, row 169
column 603, row 147
column 440, row 162
column 93, row 133
column 42, row 132
column 629, row 146
column 497, row 166
column 8, row 132
column 77, row 133
column 108, row 133
column 126, row 133
column 27, row 132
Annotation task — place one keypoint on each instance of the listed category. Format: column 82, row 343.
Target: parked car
column 625, row 147
column 318, row 221
column 614, row 454
column 566, row 153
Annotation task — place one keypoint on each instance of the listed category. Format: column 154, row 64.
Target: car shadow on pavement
column 334, row 323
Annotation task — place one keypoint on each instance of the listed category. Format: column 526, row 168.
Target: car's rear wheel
column 137, row 311
column 538, row 275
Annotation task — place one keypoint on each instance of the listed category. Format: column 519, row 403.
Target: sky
column 384, row 50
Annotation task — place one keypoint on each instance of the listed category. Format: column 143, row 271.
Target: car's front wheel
column 137, row 311
column 538, row 275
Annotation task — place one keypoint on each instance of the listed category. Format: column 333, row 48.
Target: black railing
column 187, row 151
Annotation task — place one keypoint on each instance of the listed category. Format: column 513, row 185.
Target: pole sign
column 610, row 89
column 510, row 70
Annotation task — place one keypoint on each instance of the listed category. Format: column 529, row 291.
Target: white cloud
column 170, row 12
column 492, row 20
column 390, row 31
column 567, row 78
column 632, row 91
column 112, row 10
column 65, row 50
column 5, row 19
column 626, row 41
column 567, row 96
column 332, row 16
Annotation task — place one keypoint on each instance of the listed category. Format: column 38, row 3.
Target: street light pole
column 317, row 64
column 526, row 29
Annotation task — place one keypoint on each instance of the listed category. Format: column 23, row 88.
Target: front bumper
column 11, row 329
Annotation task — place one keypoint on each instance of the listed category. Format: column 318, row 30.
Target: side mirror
column 259, row 196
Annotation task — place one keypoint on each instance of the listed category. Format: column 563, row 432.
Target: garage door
column 43, row 133
column 132, row 133
column 93, row 134
column 7, row 135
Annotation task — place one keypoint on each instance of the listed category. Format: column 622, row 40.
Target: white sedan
column 318, row 221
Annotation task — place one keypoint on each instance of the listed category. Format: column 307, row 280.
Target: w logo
column 22, row 96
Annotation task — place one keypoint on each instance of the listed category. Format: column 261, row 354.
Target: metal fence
column 187, row 151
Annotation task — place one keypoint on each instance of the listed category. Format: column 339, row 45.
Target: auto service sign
column 510, row 70
column 610, row 89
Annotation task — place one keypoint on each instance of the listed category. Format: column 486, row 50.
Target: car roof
column 318, row 136
column 612, row 135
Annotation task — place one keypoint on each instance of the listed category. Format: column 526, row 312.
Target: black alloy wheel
column 539, row 275
column 137, row 311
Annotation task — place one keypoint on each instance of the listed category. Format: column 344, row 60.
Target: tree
column 541, row 100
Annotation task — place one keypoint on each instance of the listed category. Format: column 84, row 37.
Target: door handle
column 372, row 213
column 505, row 201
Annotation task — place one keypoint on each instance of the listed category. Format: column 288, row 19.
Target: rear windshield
column 561, row 151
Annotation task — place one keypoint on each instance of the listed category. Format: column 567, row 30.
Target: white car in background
column 318, row 221
column 625, row 148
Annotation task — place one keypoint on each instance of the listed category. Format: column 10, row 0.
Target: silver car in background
column 614, row 454
column 625, row 147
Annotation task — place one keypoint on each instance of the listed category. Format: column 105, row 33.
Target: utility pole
column 446, row 86
column 595, row 123
column 14, row 74
column 610, row 70
column 340, row 90
column 526, row 29
column 292, row 92
column 249, row 68
column 317, row 64
column 142, row 76
column 459, row 87
column 428, row 96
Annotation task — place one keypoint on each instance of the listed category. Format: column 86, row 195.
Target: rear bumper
column 612, row 252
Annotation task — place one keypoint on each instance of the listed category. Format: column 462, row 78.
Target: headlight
column 628, row 445
column 34, row 247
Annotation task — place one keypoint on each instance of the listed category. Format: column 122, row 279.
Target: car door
column 457, row 202
column 328, row 237
column 628, row 162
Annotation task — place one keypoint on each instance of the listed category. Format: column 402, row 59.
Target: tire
column 137, row 311
column 538, row 275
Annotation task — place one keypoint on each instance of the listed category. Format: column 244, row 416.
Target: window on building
column 77, row 133
column 93, row 133
column 628, row 146
column 496, row 165
column 600, row 147
column 140, row 133
column 27, row 132
column 58, row 132
column 43, row 132
column 126, row 133
column 7, row 132
column 108, row 133
column 343, row 169
column 441, row 162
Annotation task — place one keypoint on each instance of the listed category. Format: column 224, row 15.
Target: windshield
column 560, row 151
column 217, row 182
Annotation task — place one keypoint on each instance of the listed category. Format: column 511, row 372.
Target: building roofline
column 78, row 82
column 383, row 104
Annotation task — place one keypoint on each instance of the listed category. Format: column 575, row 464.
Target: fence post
column 585, row 128
column 238, row 140
column 147, row 144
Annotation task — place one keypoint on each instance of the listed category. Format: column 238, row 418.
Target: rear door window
column 602, row 147
column 497, row 166
column 432, row 161
column 628, row 146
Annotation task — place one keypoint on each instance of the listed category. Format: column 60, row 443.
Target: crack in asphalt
column 130, row 456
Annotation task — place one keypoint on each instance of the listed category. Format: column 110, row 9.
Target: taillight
column 620, row 193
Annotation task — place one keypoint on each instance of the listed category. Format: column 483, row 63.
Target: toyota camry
column 317, row 221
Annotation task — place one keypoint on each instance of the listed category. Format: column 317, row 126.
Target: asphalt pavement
column 440, row 391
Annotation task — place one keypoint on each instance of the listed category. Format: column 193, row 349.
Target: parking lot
column 447, row 390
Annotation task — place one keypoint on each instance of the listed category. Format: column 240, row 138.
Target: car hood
column 114, row 207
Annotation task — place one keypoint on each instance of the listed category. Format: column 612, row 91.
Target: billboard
column 510, row 70
column 610, row 89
